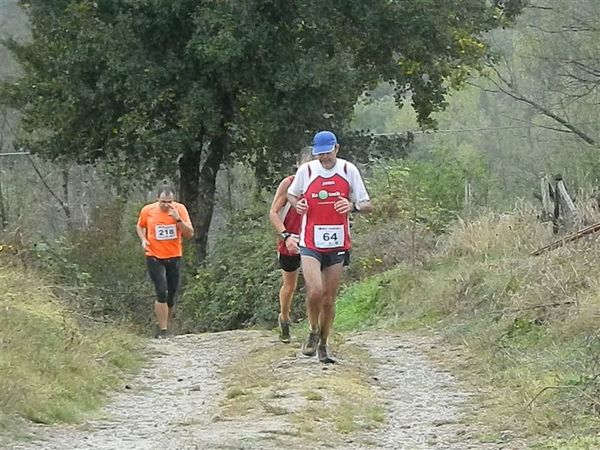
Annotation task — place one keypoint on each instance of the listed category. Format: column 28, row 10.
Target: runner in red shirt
column 325, row 191
column 286, row 222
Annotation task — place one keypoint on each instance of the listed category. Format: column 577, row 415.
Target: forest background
column 453, row 153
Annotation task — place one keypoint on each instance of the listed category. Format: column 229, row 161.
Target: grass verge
column 319, row 404
column 53, row 369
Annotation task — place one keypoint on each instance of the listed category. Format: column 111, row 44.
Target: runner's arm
column 299, row 204
column 278, row 203
column 182, row 217
column 360, row 196
column 187, row 231
column 363, row 207
column 141, row 232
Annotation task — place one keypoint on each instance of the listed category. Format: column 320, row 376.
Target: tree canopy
column 153, row 87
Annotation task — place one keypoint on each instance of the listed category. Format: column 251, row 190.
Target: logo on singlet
column 323, row 194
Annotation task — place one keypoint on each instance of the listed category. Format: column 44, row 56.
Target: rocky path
column 245, row 390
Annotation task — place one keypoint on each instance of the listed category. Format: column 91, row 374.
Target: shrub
column 100, row 268
column 239, row 285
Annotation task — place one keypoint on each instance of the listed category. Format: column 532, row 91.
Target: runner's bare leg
column 286, row 293
column 162, row 315
column 330, row 281
column 311, row 271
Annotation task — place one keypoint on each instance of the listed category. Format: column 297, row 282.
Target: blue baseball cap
column 323, row 142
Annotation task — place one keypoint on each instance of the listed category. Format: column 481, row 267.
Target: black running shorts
column 288, row 263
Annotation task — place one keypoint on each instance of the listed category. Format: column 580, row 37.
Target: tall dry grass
column 529, row 324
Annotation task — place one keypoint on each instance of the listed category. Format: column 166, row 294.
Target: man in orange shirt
column 161, row 228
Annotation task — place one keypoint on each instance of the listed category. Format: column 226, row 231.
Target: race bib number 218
column 165, row 232
column 329, row 236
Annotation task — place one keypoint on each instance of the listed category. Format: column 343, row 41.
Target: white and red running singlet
column 323, row 228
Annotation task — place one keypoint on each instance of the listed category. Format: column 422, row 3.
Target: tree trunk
column 468, row 199
column 3, row 218
column 189, row 188
column 197, row 187
column 198, row 182
column 65, row 189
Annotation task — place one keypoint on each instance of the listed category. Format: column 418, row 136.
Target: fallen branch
column 63, row 205
column 569, row 238
column 589, row 397
column 525, row 308
column 544, row 390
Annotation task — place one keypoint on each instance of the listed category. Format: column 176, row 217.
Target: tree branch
column 62, row 204
column 589, row 397
column 512, row 92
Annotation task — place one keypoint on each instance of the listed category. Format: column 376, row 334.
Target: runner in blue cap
column 325, row 191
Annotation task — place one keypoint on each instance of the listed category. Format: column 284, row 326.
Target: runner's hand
column 145, row 244
column 291, row 244
column 343, row 206
column 302, row 206
column 174, row 213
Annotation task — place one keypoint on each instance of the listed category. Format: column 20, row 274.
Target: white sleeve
column 359, row 191
column 297, row 186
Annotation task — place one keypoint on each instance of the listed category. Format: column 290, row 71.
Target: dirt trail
column 244, row 390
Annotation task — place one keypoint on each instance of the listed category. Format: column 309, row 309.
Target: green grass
column 576, row 443
column 52, row 369
column 320, row 405
column 359, row 304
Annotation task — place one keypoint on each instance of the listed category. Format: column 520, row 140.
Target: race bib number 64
column 165, row 232
column 329, row 236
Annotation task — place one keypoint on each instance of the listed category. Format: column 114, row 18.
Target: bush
column 527, row 326
column 425, row 191
column 240, row 283
column 104, row 263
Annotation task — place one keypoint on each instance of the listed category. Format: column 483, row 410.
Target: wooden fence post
column 556, row 209
column 467, row 202
column 547, row 205
column 566, row 203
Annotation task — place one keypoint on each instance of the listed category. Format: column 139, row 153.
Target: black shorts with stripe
column 289, row 263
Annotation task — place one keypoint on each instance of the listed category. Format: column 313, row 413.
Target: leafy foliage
column 359, row 305
column 155, row 85
column 239, row 284
column 426, row 191
column 102, row 266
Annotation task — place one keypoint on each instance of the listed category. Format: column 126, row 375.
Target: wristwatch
column 179, row 220
column 284, row 235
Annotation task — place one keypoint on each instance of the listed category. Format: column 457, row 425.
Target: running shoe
column 284, row 331
column 309, row 348
column 162, row 334
column 325, row 355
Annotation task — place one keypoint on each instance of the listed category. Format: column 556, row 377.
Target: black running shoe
column 324, row 354
column 161, row 334
column 309, row 348
column 284, row 331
